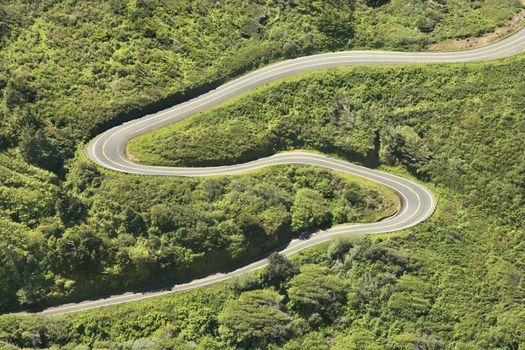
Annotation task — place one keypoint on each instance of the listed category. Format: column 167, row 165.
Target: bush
column 254, row 320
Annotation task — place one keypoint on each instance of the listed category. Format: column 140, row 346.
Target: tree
column 314, row 290
column 404, row 145
column 385, row 256
column 254, row 319
column 80, row 249
column 279, row 270
column 37, row 150
column 19, row 90
column 412, row 298
column 70, row 209
column 358, row 339
column 339, row 247
column 4, row 23
column 133, row 221
column 83, row 176
column 309, row 211
column 336, row 23
column 408, row 305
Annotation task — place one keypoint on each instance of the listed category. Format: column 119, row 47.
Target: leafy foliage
column 254, row 320
column 314, row 292
column 69, row 69
column 429, row 288
column 109, row 231
column 279, row 270
column 309, row 210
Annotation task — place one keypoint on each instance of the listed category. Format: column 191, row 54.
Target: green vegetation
column 348, row 278
column 70, row 69
column 254, row 319
column 455, row 281
column 441, row 122
column 349, row 294
column 109, row 231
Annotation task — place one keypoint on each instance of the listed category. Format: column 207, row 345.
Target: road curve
column 417, row 202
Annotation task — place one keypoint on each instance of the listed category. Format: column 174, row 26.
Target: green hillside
column 70, row 230
column 73, row 68
column 453, row 282
column 70, row 69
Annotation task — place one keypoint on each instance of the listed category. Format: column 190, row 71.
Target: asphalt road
column 417, row 202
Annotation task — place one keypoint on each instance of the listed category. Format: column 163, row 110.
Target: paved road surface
column 417, row 203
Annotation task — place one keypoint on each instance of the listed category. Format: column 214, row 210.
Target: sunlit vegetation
column 459, row 126
column 69, row 69
column 350, row 279
column 107, row 231
column 440, row 122
column 399, row 293
column 72, row 68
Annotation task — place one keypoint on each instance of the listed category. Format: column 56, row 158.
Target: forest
column 70, row 69
column 460, row 127
column 117, row 232
column 455, row 281
column 69, row 229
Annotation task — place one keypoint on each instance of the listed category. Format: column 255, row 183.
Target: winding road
column 417, row 203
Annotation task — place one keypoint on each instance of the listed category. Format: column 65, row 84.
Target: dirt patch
column 517, row 22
